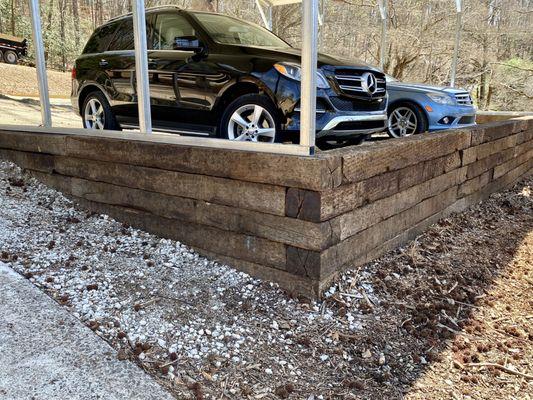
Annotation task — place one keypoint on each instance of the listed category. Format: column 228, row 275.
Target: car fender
column 249, row 79
column 99, row 85
column 407, row 100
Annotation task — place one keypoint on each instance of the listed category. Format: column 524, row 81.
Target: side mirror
column 188, row 43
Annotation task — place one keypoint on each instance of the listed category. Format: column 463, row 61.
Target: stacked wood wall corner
column 298, row 221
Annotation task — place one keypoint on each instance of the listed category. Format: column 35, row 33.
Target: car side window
column 100, row 39
column 168, row 29
column 123, row 39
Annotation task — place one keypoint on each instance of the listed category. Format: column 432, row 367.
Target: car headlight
column 441, row 98
column 294, row 71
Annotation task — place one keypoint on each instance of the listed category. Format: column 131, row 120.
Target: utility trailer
column 12, row 48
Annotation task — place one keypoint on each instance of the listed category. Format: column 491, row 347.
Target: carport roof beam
column 266, row 16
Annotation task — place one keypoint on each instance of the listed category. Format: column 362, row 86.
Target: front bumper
column 450, row 117
column 337, row 115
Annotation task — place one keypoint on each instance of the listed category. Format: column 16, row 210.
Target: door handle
column 103, row 63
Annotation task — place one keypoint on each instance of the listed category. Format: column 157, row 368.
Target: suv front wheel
column 97, row 114
column 251, row 118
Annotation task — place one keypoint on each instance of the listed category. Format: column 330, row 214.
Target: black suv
column 214, row 75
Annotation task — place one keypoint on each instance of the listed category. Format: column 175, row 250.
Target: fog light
column 446, row 120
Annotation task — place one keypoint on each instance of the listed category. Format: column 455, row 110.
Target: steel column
column 309, row 65
column 141, row 66
column 458, row 27
column 40, row 63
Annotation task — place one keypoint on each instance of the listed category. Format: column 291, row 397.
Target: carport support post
column 309, row 65
column 383, row 12
column 459, row 22
column 40, row 63
column 141, row 66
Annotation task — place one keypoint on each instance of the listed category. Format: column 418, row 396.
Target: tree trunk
column 13, row 6
column 63, row 46
column 76, row 15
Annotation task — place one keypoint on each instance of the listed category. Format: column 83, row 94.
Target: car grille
column 463, row 99
column 349, row 82
column 346, row 104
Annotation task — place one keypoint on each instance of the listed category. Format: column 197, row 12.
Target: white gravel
column 162, row 296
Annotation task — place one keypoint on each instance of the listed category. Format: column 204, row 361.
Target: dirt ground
column 448, row 316
column 27, row 111
column 20, row 80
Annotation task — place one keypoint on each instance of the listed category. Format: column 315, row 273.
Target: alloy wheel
column 402, row 122
column 252, row 123
column 94, row 115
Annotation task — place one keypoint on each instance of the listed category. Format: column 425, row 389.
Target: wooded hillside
column 495, row 61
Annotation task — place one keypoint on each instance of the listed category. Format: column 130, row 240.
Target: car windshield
column 228, row 30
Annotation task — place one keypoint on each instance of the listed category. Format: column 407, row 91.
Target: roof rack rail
column 168, row 6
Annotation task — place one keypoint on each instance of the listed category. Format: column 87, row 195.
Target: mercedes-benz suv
column 215, row 75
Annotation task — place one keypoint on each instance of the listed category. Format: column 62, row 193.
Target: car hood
column 420, row 87
column 290, row 54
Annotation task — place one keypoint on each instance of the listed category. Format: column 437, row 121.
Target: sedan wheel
column 94, row 116
column 252, row 123
column 402, row 122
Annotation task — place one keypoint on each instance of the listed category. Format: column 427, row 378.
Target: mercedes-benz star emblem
column 369, row 83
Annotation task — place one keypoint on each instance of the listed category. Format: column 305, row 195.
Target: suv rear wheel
column 251, row 118
column 97, row 114
column 405, row 119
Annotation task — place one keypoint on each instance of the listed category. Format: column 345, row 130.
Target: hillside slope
column 20, row 80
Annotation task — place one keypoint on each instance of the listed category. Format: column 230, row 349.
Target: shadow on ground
column 452, row 311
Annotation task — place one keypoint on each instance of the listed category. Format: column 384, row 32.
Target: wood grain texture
column 226, row 243
column 290, row 231
column 365, row 162
column 248, row 195
column 314, row 173
column 33, row 142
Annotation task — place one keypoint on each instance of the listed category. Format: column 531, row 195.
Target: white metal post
column 458, row 27
column 141, row 66
column 309, row 65
column 383, row 12
column 42, row 80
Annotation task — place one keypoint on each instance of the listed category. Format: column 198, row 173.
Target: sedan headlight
column 294, row 71
column 441, row 98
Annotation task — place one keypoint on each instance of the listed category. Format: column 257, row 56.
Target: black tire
column 11, row 57
column 109, row 119
column 421, row 120
column 250, row 100
column 1, row 56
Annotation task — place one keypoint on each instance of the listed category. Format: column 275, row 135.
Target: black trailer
column 12, row 48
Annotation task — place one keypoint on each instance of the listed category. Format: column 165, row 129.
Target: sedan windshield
column 228, row 30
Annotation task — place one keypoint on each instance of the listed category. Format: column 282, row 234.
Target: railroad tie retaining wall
column 298, row 221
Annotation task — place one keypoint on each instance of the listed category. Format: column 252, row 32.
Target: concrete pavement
column 46, row 353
